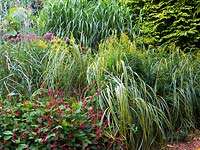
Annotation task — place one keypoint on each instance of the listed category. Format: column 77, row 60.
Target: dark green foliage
column 173, row 21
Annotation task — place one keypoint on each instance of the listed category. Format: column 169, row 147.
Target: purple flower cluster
column 31, row 36
column 17, row 38
column 6, row 36
column 49, row 36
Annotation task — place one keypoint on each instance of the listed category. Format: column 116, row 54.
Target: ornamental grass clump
column 152, row 95
column 88, row 21
column 50, row 120
column 27, row 60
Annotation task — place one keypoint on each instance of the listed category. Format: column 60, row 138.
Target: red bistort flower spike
column 59, row 112
column 69, row 137
column 66, row 106
column 30, row 90
column 57, row 91
column 91, row 97
column 24, row 135
column 84, row 89
column 98, row 92
column 56, row 132
column 42, row 85
column 61, row 93
column 71, row 111
column 49, row 92
column 53, row 145
column 98, row 131
column 71, row 93
column 64, row 145
column 82, row 125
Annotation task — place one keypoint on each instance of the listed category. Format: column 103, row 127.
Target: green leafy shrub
column 49, row 120
column 88, row 21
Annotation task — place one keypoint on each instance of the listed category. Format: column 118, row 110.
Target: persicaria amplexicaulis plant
column 54, row 119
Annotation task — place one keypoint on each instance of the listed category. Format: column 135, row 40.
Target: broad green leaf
column 7, row 137
column 8, row 132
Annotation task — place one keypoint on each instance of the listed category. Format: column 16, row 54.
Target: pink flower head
column 31, row 36
column 48, row 35
column 16, row 39
column 6, row 36
column 52, row 37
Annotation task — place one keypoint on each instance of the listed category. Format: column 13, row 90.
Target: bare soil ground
column 192, row 143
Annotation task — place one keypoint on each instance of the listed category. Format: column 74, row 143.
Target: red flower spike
column 57, row 91
column 71, row 111
column 56, row 132
column 71, row 93
column 60, row 139
column 91, row 97
column 84, row 89
column 59, row 112
column 83, row 144
column 48, row 128
column 35, row 106
column 63, row 101
column 82, row 125
column 61, row 146
column 60, row 121
column 75, row 148
column 99, row 147
column 79, row 91
column 42, row 85
column 61, row 93
column 49, row 92
column 67, row 106
column 24, row 135
column 30, row 90
column 53, row 145
column 81, row 96
column 98, row 92
column 106, row 122
column 69, row 137
column 98, row 131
